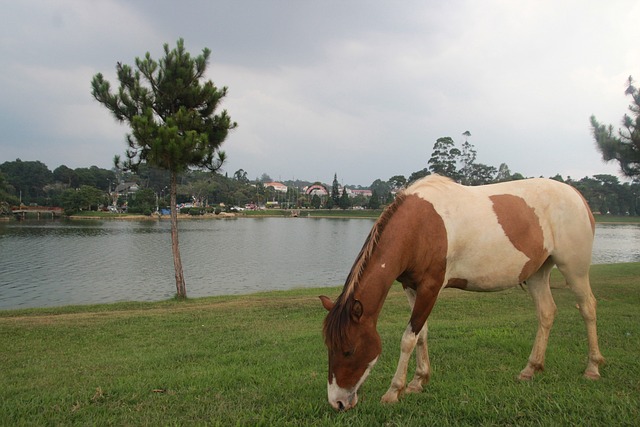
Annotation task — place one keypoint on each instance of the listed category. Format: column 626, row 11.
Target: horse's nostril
column 340, row 406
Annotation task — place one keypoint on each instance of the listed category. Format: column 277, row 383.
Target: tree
column 504, row 173
column 28, row 178
column 344, row 202
column 397, row 182
column 468, row 163
column 66, row 175
column 6, row 196
column 316, row 201
column 481, row 174
column 374, row 201
column 335, row 190
column 171, row 113
column 467, row 160
column 417, row 175
column 624, row 147
column 84, row 198
column 143, row 202
column 381, row 189
column 95, row 177
column 444, row 158
column 265, row 178
column 152, row 177
column 241, row 176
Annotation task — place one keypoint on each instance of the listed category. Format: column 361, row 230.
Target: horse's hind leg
column 538, row 286
column 579, row 284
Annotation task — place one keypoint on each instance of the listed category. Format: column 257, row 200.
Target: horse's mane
column 338, row 317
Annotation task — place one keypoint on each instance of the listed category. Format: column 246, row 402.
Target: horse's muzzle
column 345, row 404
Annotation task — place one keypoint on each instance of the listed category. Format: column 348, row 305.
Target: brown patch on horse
column 425, row 255
column 457, row 283
column 334, row 328
column 522, row 226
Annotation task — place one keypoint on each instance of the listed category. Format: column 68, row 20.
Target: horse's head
column 354, row 346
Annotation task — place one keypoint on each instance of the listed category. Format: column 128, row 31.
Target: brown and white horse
column 439, row 234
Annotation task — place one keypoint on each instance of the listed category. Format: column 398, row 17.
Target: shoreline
column 153, row 217
column 261, row 213
column 598, row 272
column 600, row 219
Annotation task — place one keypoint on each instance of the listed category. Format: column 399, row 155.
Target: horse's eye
column 347, row 353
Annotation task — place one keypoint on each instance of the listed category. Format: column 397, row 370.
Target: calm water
column 59, row 263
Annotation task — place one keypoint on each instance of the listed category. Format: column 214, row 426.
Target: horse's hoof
column 525, row 376
column 593, row 376
column 390, row 397
column 414, row 387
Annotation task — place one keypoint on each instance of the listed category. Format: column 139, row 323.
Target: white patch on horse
column 383, row 266
column 343, row 399
column 477, row 243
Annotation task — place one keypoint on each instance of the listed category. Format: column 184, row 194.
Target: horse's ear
column 326, row 302
column 356, row 310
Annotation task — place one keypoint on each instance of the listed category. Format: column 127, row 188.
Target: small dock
column 40, row 212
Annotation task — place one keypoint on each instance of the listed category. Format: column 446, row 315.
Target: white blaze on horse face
column 342, row 399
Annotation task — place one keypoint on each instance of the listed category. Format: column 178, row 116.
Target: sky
column 361, row 89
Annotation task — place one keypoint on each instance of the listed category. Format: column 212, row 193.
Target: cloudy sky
column 358, row 88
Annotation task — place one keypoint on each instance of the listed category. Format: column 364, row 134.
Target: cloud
column 361, row 89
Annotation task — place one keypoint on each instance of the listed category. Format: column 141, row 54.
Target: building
column 278, row 186
column 355, row 193
column 127, row 188
column 316, row 190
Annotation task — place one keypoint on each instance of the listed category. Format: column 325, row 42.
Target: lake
column 53, row 263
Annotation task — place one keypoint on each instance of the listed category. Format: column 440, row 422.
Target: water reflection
column 52, row 263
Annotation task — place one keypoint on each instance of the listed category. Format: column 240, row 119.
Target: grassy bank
column 617, row 219
column 260, row 360
column 304, row 213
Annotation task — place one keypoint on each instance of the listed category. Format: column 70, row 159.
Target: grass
column 617, row 219
column 260, row 360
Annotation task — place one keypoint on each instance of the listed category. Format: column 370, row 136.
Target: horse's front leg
column 423, row 368
column 421, row 307
column 409, row 341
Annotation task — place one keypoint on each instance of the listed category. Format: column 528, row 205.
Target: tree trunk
column 181, row 289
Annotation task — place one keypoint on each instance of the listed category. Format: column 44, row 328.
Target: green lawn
column 617, row 219
column 260, row 360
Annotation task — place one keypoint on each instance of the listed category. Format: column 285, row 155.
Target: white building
column 278, row 186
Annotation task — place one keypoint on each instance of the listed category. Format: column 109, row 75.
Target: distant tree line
column 604, row 193
column 31, row 182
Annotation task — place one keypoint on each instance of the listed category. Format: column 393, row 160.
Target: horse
column 438, row 234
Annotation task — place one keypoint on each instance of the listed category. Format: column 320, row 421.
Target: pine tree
column 625, row 146
column 335, row 191
column 171, row 113
column 344, row 202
